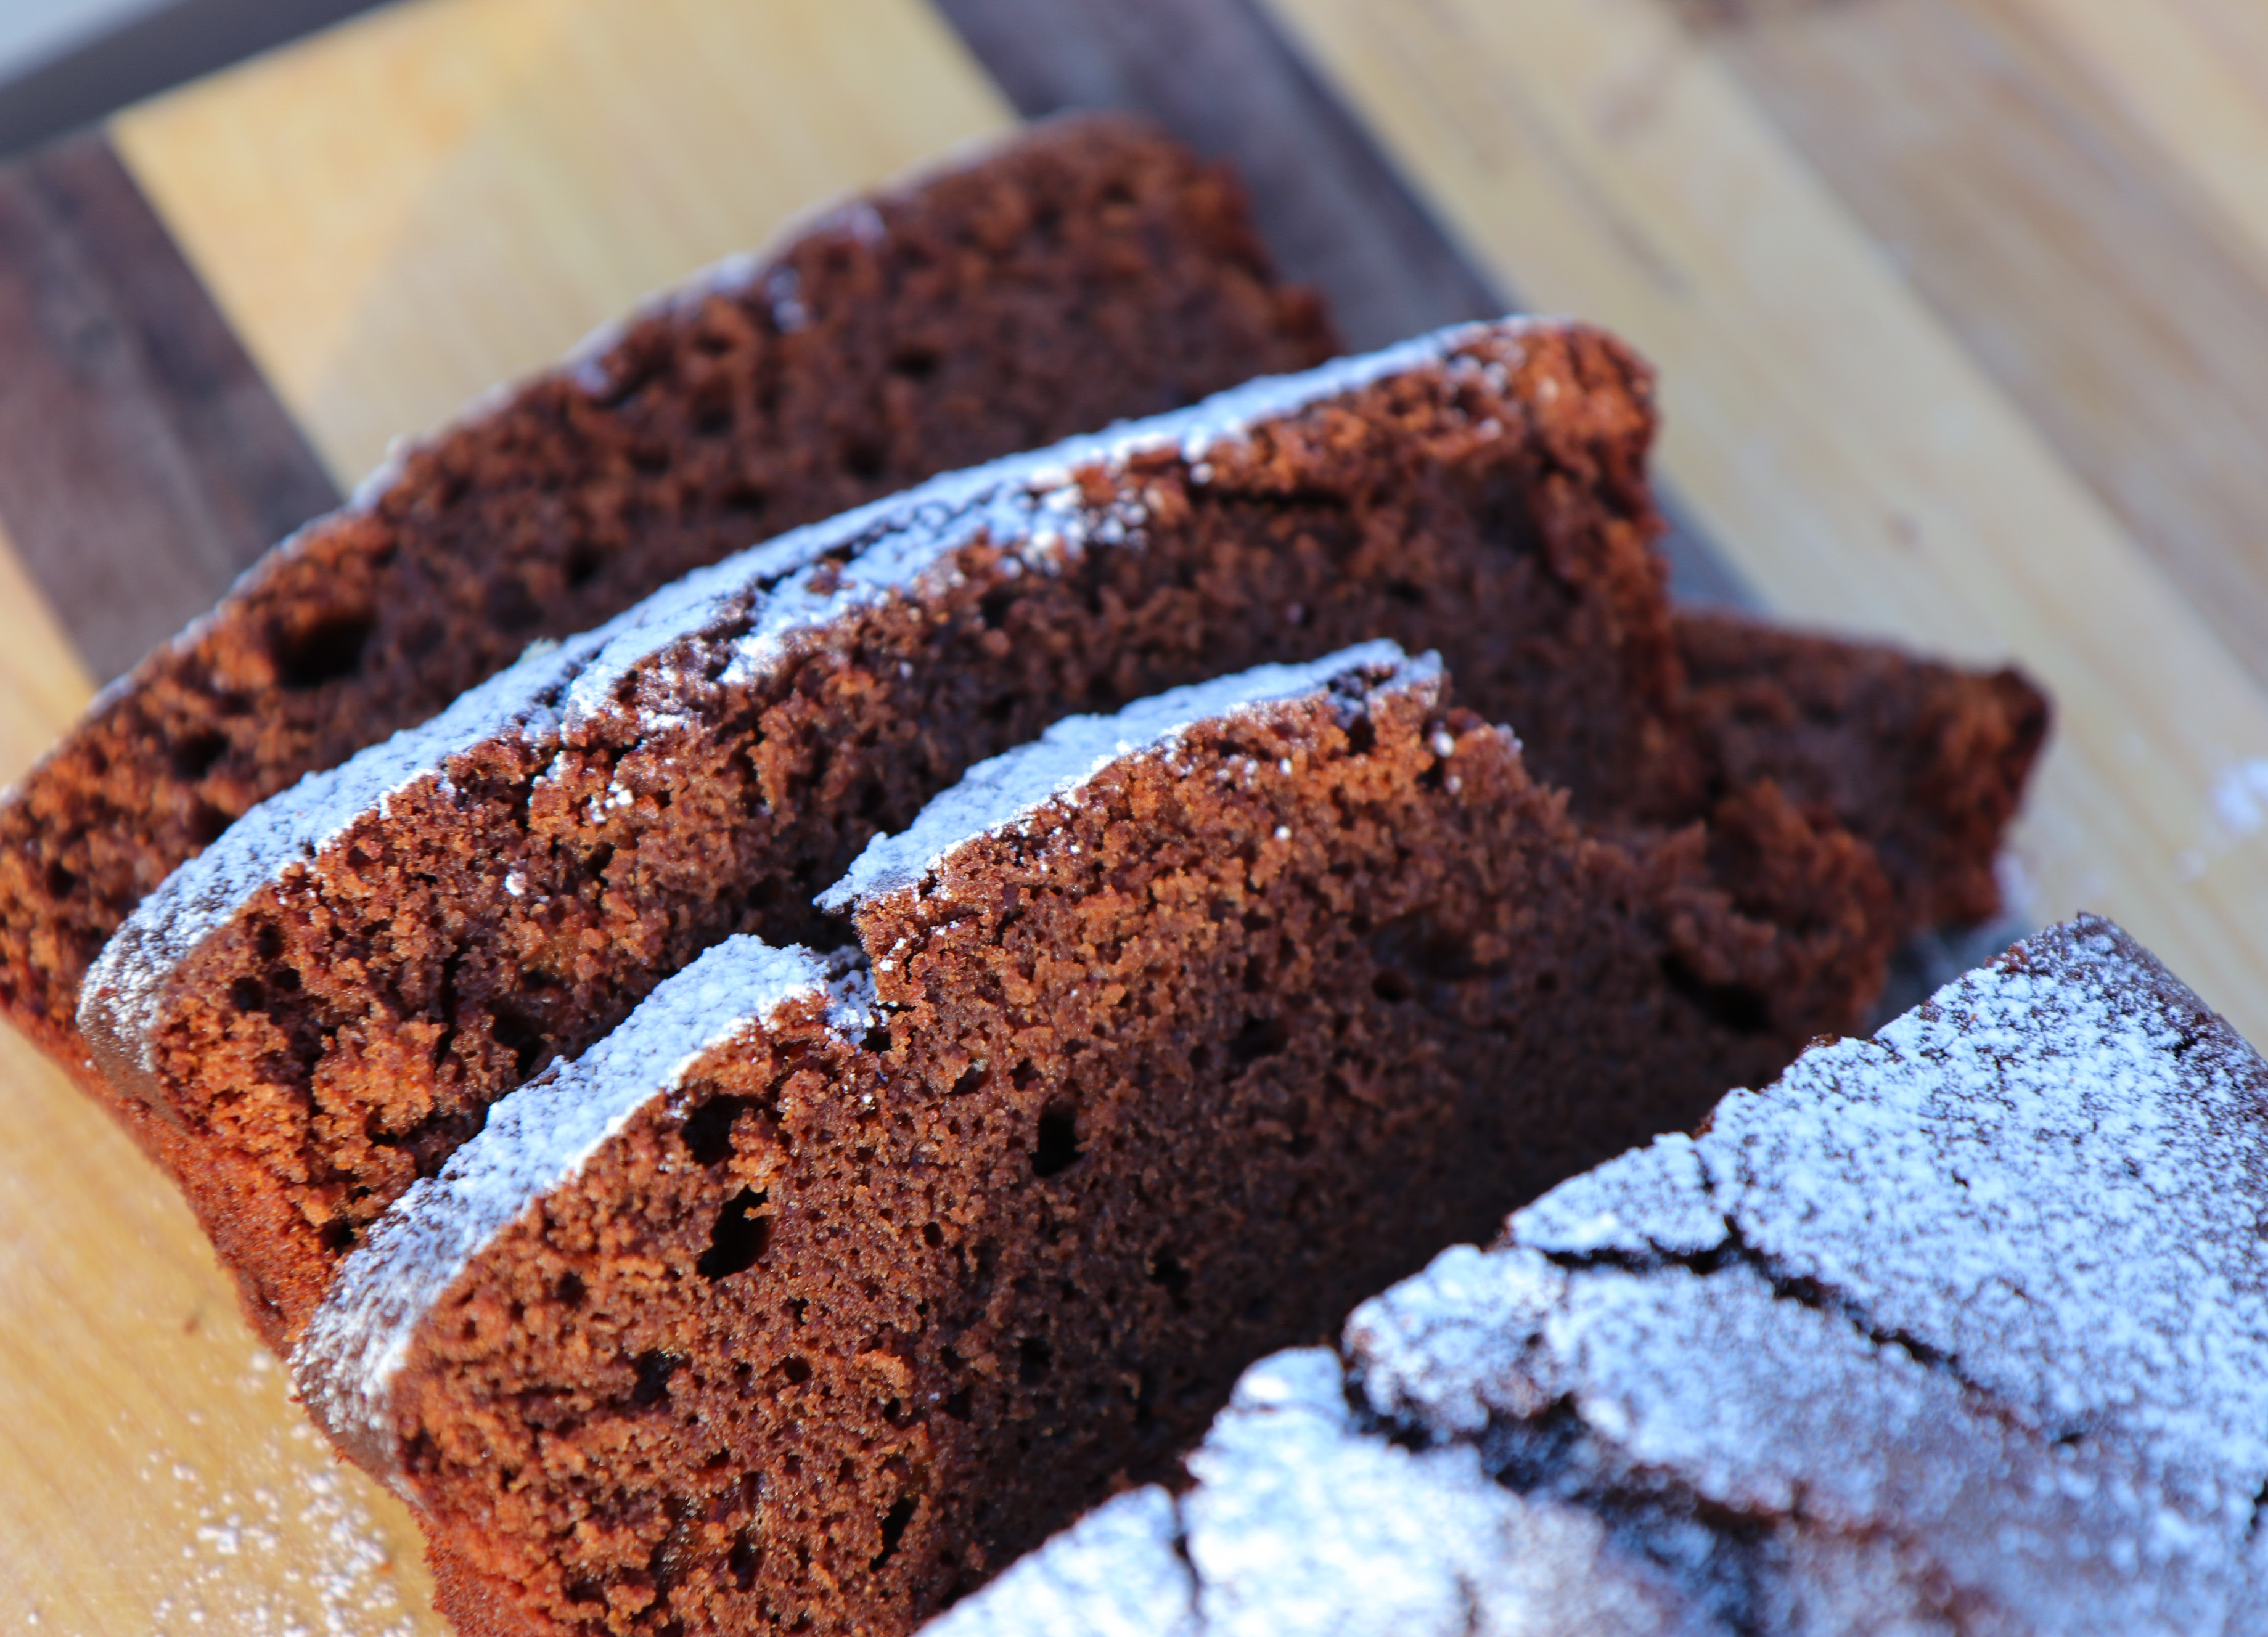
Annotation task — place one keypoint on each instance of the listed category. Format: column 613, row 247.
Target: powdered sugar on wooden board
column 1960, row 1328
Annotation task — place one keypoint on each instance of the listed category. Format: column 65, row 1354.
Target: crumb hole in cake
column 676, row 1552
column 933, row 1236
column 1167, row 1272
column 893, row 1529
column 519, row 1036
column 1035, row 1358
column 972, row 1079
column 1728, row 1005
column 323, row 649
column 207, row 823
column 1259, row 1038
column 1392, row 986
column 739, row 1236
column 1415, row 944
column 582, row 565
column 961, row 1405
column 708, row 1130
column 994, row 605
column 916, row 362
column 877, row 1039
column 796, row 1369
column 1057, row 1150
column 744, row 1560
column 585, row 1591
column 194, row 754
column 339, row 1235
column 654, row 1370
column 864, row 459
column 61, row 882
column 1362, row 737
column 569, row 1291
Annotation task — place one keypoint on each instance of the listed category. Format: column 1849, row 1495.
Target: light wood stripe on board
column 448, row 193
column 1835, row 440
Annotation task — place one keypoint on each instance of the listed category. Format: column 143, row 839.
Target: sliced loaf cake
column 826, row 1283
column 322, row 1004
column 1084, row 271
column 1958, row 1329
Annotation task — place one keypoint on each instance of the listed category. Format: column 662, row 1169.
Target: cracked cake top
column 1955, row 1329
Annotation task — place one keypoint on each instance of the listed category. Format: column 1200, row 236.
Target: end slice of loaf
column 1954, row 1329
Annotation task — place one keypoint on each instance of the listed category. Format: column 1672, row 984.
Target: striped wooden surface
column 1961, row 308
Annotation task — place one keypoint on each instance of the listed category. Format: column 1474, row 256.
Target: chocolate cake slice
column 1958, row 1329
column 1086, row 270
column 323, row 1003
column 825, row 1283
column 1925, row 761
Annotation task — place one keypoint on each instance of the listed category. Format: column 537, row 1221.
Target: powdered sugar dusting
column 1990, row 1283
column 1959, row 1329
column 536, row 1139
column 996, row 794
column 750, row 612
column 1301, row 1522
column 733, row 620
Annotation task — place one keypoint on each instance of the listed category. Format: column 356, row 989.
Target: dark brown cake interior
column 1925, row 761
column 348, row 1030
column 1169, row 1080
column 1091, row 271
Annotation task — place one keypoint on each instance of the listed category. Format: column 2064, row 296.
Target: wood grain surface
column 1862, row 467
column 470, row 187
column 144, row 463
column 1961, row 307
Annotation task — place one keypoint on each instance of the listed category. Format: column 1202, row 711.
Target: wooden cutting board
column 1961, row 306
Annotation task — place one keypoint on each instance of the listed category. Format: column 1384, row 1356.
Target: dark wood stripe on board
column 1337, row 214
column 144, row 461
